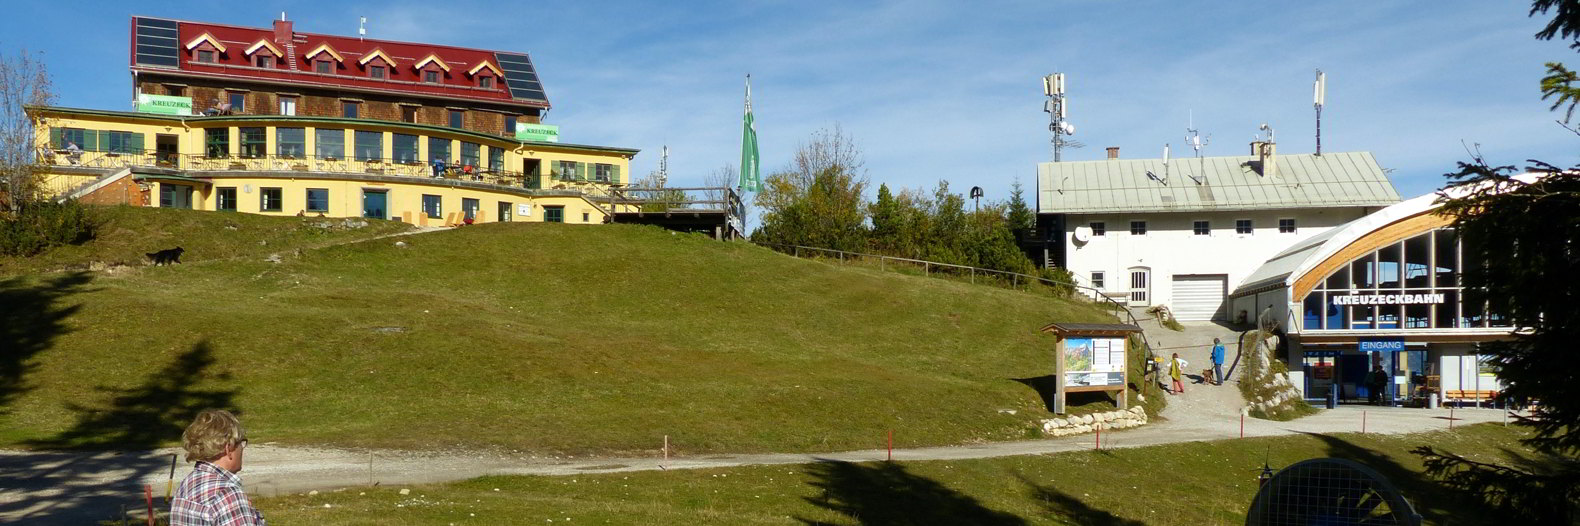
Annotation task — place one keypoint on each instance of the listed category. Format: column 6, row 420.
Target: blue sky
column 947, row 90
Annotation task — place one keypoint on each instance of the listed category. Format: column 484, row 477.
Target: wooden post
column 1058, row 375
column 891, row 445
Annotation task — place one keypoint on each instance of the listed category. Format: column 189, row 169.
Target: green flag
column 751, row 179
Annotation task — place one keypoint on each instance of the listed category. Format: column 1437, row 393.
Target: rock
column 405, row 491
column 311, row 493
column 1060, row 422
column 1007, row 411
column 273, row 258
column 263, row 242
column 400, row 244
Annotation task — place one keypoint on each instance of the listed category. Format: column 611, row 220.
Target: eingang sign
column 1388, row 299
column 164, row 104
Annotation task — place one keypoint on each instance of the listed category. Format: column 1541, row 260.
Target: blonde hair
column 210, row 433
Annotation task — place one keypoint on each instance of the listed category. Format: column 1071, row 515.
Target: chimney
column 282, row 30
column 1265, row 158
column 1113, row 152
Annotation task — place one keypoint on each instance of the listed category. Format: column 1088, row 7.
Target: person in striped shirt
column 211, row 495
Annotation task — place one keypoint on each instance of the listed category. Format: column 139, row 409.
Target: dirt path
column 55, row 487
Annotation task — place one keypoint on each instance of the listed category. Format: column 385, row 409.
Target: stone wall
column 1075, row 425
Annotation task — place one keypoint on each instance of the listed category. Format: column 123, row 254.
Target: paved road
column 72, row 487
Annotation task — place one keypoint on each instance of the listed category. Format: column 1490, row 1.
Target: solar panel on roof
column 156, row 42
column 520, row 77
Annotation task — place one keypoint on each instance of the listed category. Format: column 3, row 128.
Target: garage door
column 1199, row 298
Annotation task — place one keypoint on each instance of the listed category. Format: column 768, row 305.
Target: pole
column 666, row 448
column 1363, row 422
column 1319, row 129
column 170, row 487
column 1242, row 425
column 1099, row 442
column 148, row 494
column 891, row 445
column 1450, row 417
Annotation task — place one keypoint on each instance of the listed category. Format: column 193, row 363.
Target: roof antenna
column 1165, row 178
column 362, row 29
column 663, row 166
column 1319, row 95
column 1194, row 139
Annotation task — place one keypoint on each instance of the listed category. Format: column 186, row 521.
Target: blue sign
column 1382, row 344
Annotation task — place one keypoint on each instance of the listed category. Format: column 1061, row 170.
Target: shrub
column 39, row 225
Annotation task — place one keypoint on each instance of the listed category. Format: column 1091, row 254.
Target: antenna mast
column 1318, row 94
column 1196, row 142
column 1056, row 108
column 663, row 166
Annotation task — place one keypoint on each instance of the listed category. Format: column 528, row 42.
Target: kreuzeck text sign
column 1388, row 299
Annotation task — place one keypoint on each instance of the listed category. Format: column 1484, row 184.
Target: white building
column 1186, row 232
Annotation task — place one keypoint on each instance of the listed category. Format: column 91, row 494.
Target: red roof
column 458, row 81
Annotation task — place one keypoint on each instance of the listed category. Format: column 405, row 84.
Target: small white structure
column 1185, row 232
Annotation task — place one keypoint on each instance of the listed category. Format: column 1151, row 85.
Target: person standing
column 1217, row 361
column 211, row 494
column 1376, row 381
column 1176, row 368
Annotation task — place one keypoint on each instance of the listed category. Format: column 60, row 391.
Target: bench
column 1463, row 396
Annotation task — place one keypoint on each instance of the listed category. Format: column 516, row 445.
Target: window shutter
column 134, row 143
column 614, row 174
column 90, row 140
column 55, row 140
column 581, row 171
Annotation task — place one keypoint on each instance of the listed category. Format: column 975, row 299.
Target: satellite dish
column 1082, row 234
column 1069, row 129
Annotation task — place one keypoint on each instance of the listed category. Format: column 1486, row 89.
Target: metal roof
column 1213, row 183
column 1091, row 329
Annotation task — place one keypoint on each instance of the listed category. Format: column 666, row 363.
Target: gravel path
column 55, row 487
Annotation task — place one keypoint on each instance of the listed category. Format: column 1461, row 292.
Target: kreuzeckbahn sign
column 1388, row 299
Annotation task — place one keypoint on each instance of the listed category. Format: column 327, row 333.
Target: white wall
column 1459, row 365
column 1171, row 248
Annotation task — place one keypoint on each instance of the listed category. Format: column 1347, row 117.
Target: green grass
column 128, row 232
column 536, row 337
column 1255, row 386
column 1197, row 483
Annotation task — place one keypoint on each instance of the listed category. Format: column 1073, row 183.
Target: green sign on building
column 164, row 104
column 537, row 132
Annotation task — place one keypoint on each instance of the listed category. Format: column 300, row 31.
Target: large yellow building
column 272, row 121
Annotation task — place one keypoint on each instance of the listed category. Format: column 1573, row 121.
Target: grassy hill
column 542, row 337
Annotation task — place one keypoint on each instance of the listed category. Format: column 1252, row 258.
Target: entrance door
column 504, row 211
column 374, row 204
column 168, row 148
column 530, row 170
column 1140, row 283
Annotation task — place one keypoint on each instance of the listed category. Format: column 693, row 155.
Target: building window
column 216, row 143
column 369, row 145
column 568, row 171
column 175, row 196
column 238, row 102
column 1201, row 228
column 431, row 77
column 408, row 114
column 225, row 199
column 504, row 210
column 1286, row 226
column 469, row 153
column 430, row 206
column 469, row 207
column 263, row 61
column 348, row 109
column 376, row 72
column 270, row 199
column 287, row 105
column 290, row 142
column 586, row 217
column 1242, row 226
column 405, row 148
column 322, row 66
column 602, row 172
column 204, row 55
column 496, row 158
column 438, row 149
column 457, row 117
column 1138, row 228
column 254, row 142
column 329, row 143
column 1098, row 281
column 510, row 125
column 1098, row 228
column 317, row 199
column 121, row 142
column 175, row 90
column 554, row 214
column 485, row 82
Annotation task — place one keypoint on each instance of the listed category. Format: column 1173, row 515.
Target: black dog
column 166, row 257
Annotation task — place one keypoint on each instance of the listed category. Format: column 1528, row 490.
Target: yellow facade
column 174, row 151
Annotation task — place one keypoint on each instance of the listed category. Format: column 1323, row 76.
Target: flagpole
column 750, row 180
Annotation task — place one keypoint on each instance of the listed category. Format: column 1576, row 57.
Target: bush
column 40, row 225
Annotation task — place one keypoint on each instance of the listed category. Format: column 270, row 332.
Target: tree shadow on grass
column 1436, row 502
column 886, row 493
column 32, row 316
column 1062, row 506
column 152, row 413
column 81, row 487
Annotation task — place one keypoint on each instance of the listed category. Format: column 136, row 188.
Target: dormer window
column 205, row 48
column 264, row 54
column 206, row 56
column 431, row 77
column 376, row 72
column 432, row 69
column 323, row 66
column 263, row 61
column 485, row 82
column 377, row 64
column 485, row 73
column 321, row 56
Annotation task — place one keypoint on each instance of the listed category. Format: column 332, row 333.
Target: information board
column 1094, row 362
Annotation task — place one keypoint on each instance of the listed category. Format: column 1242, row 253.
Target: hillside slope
column 536, row 337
